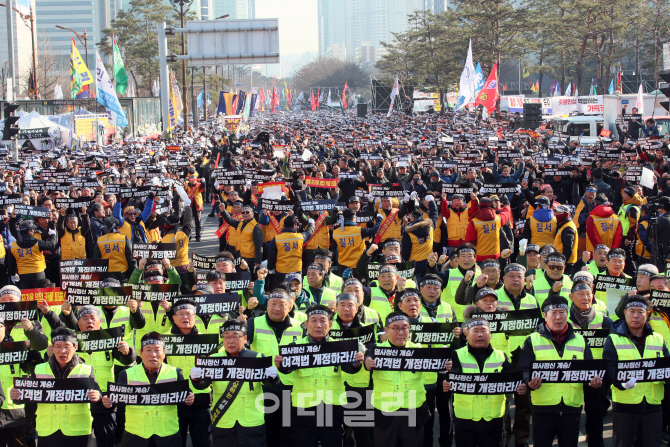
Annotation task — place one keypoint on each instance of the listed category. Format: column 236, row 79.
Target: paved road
column 209, row 246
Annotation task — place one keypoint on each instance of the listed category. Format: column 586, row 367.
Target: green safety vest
column 103, row 368
column 593, row 268
column 187, row 362
column 146, row 421
column 627, row 351
column 71, row 419
column 247, row 408
column 485, row 407
column 121, row 317
column 265, row 340
column 623, row 217
column 395, row 390
column 659, row 325
column 334, row 283
column 572, row 394
column 445, row 313
column 328, row 296
column 514, row 341
column 541, row 288
column 380, row 303
column 362, row 378
column 597, row 323
column 313, row 386
column 602, row 294
column 429, row 378
column 449, row 292
column 9, row 372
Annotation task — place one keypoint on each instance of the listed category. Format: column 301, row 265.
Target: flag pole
column 520, row 76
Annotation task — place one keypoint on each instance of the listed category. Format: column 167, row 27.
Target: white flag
column 466, row 87
column 156, row 89
column 568, row 90
column 106, row 95
column 131, row 89
column 58, row 92
column 394, row 93
column 639, row 102
column 330, row 101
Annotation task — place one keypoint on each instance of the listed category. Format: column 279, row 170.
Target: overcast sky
column 298, row 27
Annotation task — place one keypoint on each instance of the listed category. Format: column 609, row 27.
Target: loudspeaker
column 532, row 115
column 362, row 110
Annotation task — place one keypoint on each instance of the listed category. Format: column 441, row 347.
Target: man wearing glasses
column 544, row 280
column 556, row 407
column 250, row 235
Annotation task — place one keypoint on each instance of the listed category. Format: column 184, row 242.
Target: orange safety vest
column 457, row 225
column 321, row 239
column 395, row 229
column 179, row 238
column 558, row 242
column 269, row 232
column 73, row 246
column 289, row 252
column 543, row 233
column 488, row 236
column 112, row 246
column 640, row 247
column 421, row 246
column 246, row 240
column 606, row 229
column 28, row 260
column 350, row 245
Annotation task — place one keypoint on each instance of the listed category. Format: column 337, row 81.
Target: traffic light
column 665, row 90
column 11, row 130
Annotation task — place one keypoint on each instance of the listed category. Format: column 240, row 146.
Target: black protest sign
column 349, row 175
column 11, row 199
column 277, row 205
column 448, row 188
column 203, row 262
column 487, row 383
column 101, row 296
column 561, row 172
column 610, row 153
column 201, row 277
column 247, row 369
column 370, row 156
column 499, row 188
column 365, row 217
column 604, row 282
column 155, row 292
column 516, row 322
column 660, row 301
column 645, row 370
column 54, row 391
column 317, row 205
column 443, row 164
column 387, row 191
column 259, row 176
column 363, row 334
column 165, row 393
column 633, row 174
column 215, row 303
column 87, row 280
column 237, row 281
column 547, row 161
column 432, row 333
column 568, row 371
column 161, row 250
column 84, row 265
column 100, row 340
column 31, row 211
column 595, row 338
column 405, row 269
column 315, row 355
column 232, row 180
column 72, row 202
column 191, row 344
column 14, row 352
column 410, row 359
column 18, row 311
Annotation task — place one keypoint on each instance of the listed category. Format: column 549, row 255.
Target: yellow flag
column 526, row 73
column 173, row 114
column 82, row 69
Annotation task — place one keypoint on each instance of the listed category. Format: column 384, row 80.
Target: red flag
column 489, row 94
column 261, row 97
column 318, row 97
column 275, row 99
column 344, row 95
column 312, row 101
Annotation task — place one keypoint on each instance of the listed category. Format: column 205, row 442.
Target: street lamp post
column 30, row 19
column 83, row 38
column 181, row 4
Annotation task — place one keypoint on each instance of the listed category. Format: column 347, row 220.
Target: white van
column 588, row 126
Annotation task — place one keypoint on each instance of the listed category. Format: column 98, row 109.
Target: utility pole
column 13, row 75
column 181, row 4
column 204, row 93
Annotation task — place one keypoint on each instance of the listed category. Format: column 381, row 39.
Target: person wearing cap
column 195, row 417
column 418, row 238
column 28, row 256
column 478, row 420
column 484, row 229
column 531, row 258
column 64, row 424
column 644, row 244
column 156, row 424
column 116, row 247
column 128, row 223
column 553, row 272
column 584, row 207
column 285, row 250
column 603, row 226
column 71, row 234
column 316, row 287
column 309, row 385
column 637, row 410
column 242, row 422
column 616, row 262
column 349, row 240
column 194, row 189
column 556, row 407
column 566, row 236
column 264, row 335
column 396, row 392
column 541, row 227
column 546, row 193
column 180, row 236
column 458, row 215
column 103, row 363
column 324, row 257
column 411, row 302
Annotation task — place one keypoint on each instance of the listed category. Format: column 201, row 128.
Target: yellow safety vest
column 321, row 238
column 73, row 246
column 653, row 392
column 558, row 242
column 350, row 245
column 606, row 229
column 28, row 260
column 247, row 246
column 179, row 238
column 127, row 231
column 395, row 229
column 597, row 323
column 542, row 233
column 422, row 247
column 457, row 226
column 485, row 407
column 269, row 232
column 265, row 340
column 289, row 252
column 488, row 236
column 112, row 246
column 9, row 372
column 395, row 390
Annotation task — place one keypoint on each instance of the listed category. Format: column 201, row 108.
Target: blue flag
column 611, row 89
column 479, row 79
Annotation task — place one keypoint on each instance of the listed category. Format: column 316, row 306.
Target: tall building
column 91, row 16
column 22, row 45
column 238, row 9
column 332, row 26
